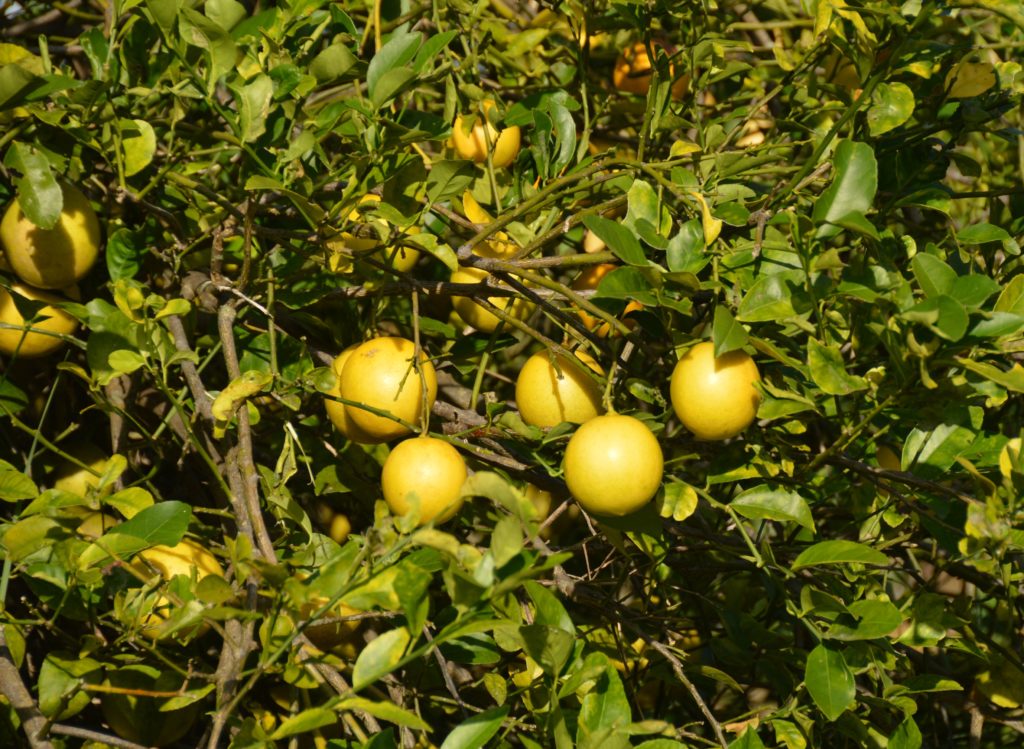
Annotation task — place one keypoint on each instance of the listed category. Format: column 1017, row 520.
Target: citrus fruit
column 95, row 524
column 52, row 258
column 476, row 315
column 136, row 716
column 380, row 374
column 589, row 279
column 186, row 558
column 715, row 398
column 50, row 323
column 498, row 245
column 345, row 246
column 336, row 409
column 473, row 143
column 424, row 475
column 632, row 72
column 550, row 389
column 613, row 465
column 77, row 480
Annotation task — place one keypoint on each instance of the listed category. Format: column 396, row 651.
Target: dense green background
column 783, row 591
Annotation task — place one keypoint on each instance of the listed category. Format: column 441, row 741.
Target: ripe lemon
column 715, row 398
column 424, row 473
column 888, row 459
column 337, row 523
column 589, row 279
column 336, row 409
column 475, row 314
column 52, row 258
column 632, row 72
column 136, row 716
column 613, row 465
column 498, row 245
column 95, row 524
column 593, row 243
column 380, row 374
column 472, row 144
column 75, row 480
column 344, row 246
column 185, row 558
column 50, row 323
column 550, row 390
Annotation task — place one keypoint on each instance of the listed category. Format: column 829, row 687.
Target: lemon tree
column 511, row 374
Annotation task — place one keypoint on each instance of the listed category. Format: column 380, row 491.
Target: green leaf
column 307, row 720
column 385, row 711
column 839, row 552
column 138, row 145
column 974, row 290
column 124, row 256
column 764, row 503
column 686, row 252
column 164, row 12
column 1011, row 380
column 332, row 63
column 892, row 104
column 28, row 536
column 829, row 372
column 748, row 740
column 449, row 178
column 619, row 239
column 432, row 48
column 906, row 736
column 398, row 52
column 549, row 646
column 933, row 275
column 788, row 734
column 680, row 501
column 769, row 299
column 12, row 398
column 727, row 334
column 548, row 609
column 866, row 620
column 253, row 102
column 829, row 681
column 853, row 187
column 15, row 80
column 164, row 523
column 124, row 361
column 935, row 452
column 477, row 730
column 982, row 233
column 16, row 486
column 1011, row 299
column 39, row 195
column 380, row 657
column 61, row 678
column 605, row 708
column 390, row 84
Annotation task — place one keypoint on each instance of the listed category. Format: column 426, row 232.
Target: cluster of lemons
column 613, row 463
column 44, row 260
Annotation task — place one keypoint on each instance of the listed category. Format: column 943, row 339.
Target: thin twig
column 14, row 689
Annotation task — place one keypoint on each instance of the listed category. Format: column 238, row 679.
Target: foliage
column 838, row 194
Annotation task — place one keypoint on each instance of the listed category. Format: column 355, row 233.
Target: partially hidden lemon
column 550, row 389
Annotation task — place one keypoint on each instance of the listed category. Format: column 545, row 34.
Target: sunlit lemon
column 715, row 398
